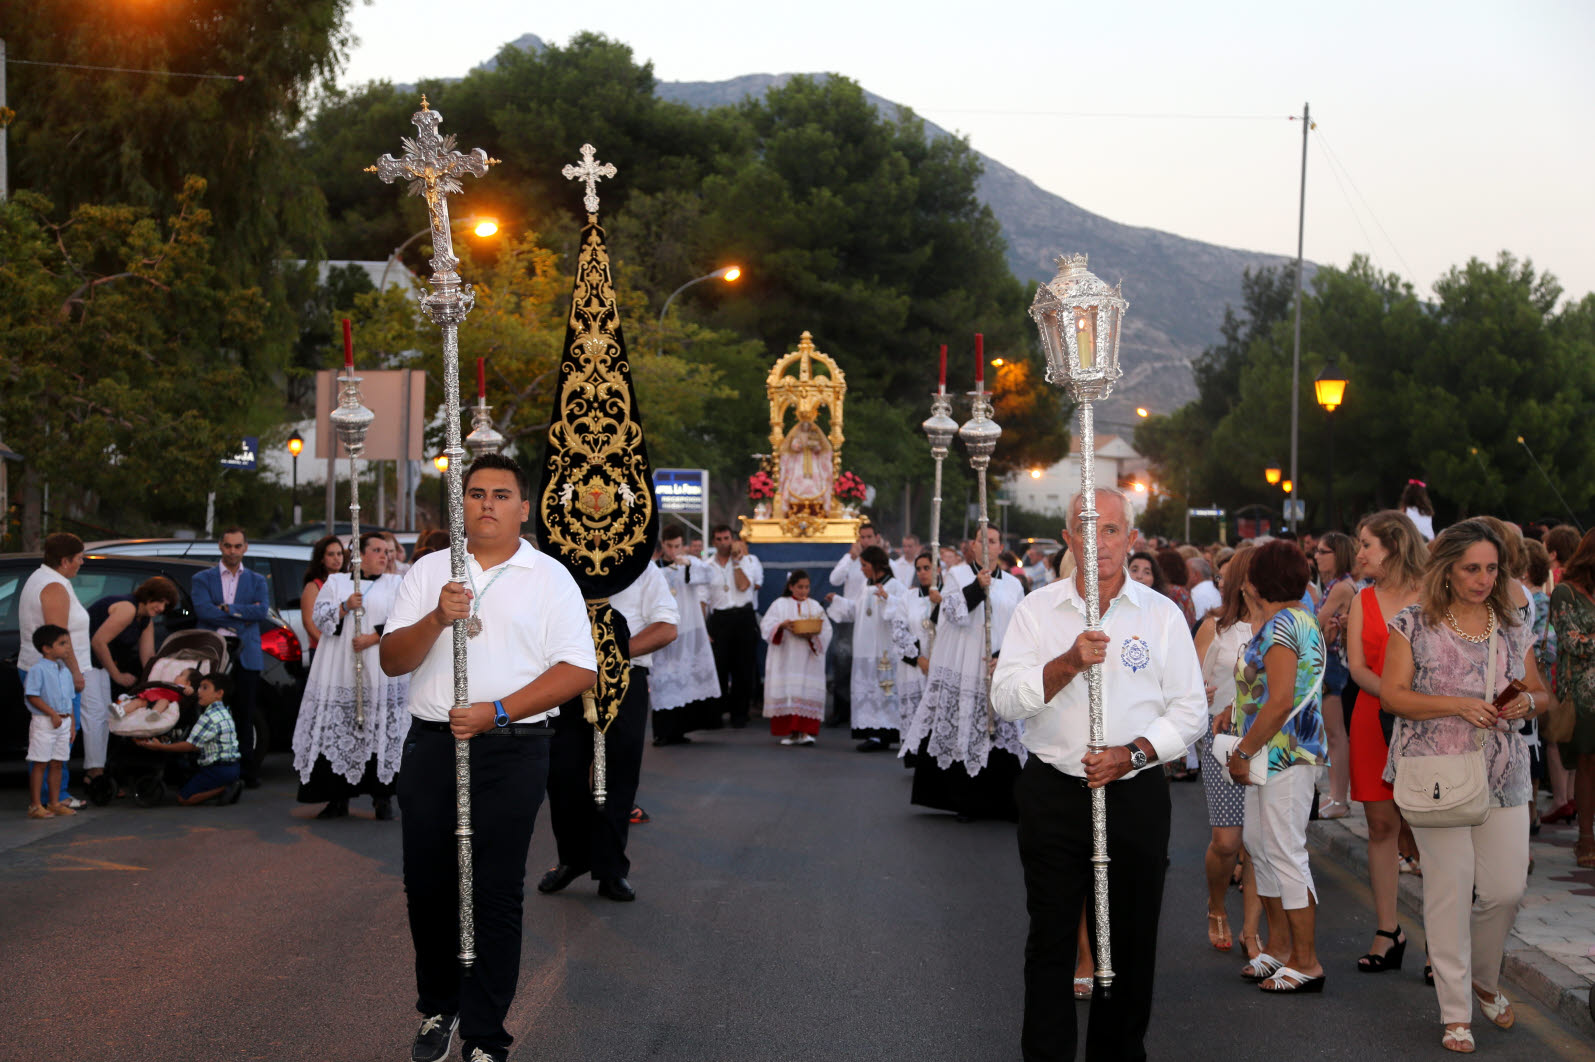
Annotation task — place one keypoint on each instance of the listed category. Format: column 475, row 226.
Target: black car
column 282, row 679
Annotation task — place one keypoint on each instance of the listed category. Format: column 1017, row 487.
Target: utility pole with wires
column 1295, row 356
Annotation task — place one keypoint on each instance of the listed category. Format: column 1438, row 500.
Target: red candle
column 980, row 358
column 348, row 347
column 941, row 381
column 481, row 377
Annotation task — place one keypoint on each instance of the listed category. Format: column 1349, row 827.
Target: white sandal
column 1262, row 968
column 1497, row 1008
column 1341, row 809
column 1458, row 1040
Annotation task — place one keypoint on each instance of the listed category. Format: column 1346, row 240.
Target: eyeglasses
column 1325, row 552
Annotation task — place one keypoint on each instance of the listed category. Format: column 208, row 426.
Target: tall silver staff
column 939, row 428
column 1079, row 318
column 434, row 169
column 980, row 434
column 351, row 420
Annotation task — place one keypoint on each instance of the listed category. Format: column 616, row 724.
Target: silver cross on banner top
column 589, row 173
column 434, row 168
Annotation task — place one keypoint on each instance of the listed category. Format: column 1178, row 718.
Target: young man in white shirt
column 530, row 650
column 734, row 624
column 1154, row 705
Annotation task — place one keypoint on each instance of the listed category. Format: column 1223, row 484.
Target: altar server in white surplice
column 881, row 640
column 920, row 611
column 794, row 664
column 682, row 684
column 965, row 760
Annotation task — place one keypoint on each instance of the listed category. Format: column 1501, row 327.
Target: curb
column 1527, row 969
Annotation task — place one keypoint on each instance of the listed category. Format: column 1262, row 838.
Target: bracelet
column 1243, row 755
column 1532, row 706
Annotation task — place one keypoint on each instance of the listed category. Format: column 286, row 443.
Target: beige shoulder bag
column 1451, row 790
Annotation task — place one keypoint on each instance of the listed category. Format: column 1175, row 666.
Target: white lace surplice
column 952, row 713
column 794, row 671
column 880, row 629
column 683, row 671
column 326, row 715
column 911, row 683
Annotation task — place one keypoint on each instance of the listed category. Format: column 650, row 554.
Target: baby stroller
column 145, row 772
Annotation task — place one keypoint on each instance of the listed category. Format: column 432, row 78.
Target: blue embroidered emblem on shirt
column 1134, row 653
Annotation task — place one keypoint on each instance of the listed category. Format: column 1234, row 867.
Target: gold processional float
column 804, row 465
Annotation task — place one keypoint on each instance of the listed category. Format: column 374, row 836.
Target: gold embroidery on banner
column 597, row 505
column 614, row 670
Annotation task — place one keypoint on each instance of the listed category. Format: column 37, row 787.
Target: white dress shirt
column 533, row 617
column 849, row 576
column 1205, row 597
column 646, row 601
column 1151, row 679
column 903, row 569
column 229, row 579
column 723, row 592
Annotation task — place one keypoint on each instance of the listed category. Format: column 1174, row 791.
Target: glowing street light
column 486, row 227
column 1271, row 474
column 1288, row 486
column 1035, row 473
column 441, row 463
column 729, row 274
column 480, row 225
column 1141, row 411
column 1330, row 390
column 296, row 446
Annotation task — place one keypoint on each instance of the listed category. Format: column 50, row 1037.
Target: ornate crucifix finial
column 589, row 173
column 434, row 168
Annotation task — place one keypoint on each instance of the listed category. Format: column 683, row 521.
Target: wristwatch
column 500, row 716
column 1137, row 757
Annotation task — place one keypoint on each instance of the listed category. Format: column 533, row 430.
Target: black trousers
column 592, row 838
column 508, row 776
column 735, row 633
column 1055, row 848
column 246, row 694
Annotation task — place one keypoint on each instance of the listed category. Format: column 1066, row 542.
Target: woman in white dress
column 337, row 759
column 881, row 639
column 48, row 597
column 794, row 666
column 683, row 675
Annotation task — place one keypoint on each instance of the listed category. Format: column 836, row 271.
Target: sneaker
column 435, row 1038
column 39, row 811
column 61, row 809
column 806, row 739
column 790, row 739
column 638, row 815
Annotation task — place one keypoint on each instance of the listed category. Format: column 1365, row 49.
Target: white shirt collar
column 525, row 556
column 1133, row 592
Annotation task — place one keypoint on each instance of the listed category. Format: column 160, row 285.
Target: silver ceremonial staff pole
column 939, row 428
column 433, row 169
column 1079, row 317
column 980, row 434
column 351, row 420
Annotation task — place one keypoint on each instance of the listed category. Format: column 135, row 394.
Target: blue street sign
column 681, row 490
column 1208, row 512
column 246, row 456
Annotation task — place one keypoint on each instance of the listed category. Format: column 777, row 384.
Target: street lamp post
column 1330, row 390
column 729, row 274
column 482, row 226
column 296, row 446
column 1079, row 318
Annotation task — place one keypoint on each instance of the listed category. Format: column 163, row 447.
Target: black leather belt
column 508, row 730
column 733, row 608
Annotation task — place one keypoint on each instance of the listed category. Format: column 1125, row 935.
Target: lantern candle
column 941, row 380
column 481, row 377
column 348, row 348
column 980, row 358
column 1086, row 336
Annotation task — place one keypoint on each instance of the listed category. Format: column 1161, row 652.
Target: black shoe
column 617, row 889
column 1373, row 962
column 335, row 809
column 738, row 724
column 873, row 745
column 383, row 807
column 251, row 783
column 558, row 877
column 435, row 1038
column 638, row 815
column 229, row 795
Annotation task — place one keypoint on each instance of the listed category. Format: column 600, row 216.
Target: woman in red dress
column 1391, row 552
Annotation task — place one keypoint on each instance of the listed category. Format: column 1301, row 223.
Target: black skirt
column 325, row 784
column 987, row 795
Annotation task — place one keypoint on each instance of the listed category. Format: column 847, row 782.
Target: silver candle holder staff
column 351, row 420
column 434, row 170
column 1079, row 317
column 939, row 428
column 980, row 434
column 484, row 438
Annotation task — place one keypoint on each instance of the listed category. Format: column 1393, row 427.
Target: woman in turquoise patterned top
column 1279, row 715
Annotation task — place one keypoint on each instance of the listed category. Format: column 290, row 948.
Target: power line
column 1356, row 216
column 1369, row 208
column 125, row 70
column 1106, row 114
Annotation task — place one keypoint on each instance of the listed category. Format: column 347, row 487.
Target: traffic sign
column 1208, row 512
column 1295, row 509
column 246, row 456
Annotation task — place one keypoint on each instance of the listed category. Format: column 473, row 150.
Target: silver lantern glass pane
column 1078, row 317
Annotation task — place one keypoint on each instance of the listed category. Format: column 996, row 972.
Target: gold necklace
column 1476, row 639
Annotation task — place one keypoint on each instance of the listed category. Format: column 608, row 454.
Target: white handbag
column 1450, row 790
column 1257, row 766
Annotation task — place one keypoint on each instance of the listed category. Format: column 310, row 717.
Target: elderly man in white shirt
column 530, row 650
column 1205, row 594
column 1154, row 705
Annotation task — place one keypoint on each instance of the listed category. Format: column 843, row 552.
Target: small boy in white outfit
column 48, row 691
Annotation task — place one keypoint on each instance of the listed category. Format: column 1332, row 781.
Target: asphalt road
column 792, row 905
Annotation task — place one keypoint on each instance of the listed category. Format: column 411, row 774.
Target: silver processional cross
column 589, row 173
column 434, row 168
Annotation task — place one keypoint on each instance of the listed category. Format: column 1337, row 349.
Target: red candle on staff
column 481, row 377
column 348, row 347
column 980, row 358
column 941, row 381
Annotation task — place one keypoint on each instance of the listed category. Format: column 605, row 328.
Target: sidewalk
column 1550, row 955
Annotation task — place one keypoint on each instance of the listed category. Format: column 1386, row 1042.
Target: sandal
column 1218, row 934
column 1333, row 809
column 1409, row 865
column 1287, row 980
column 1253, row 943
column 1373, row 962
column 1082, row 988
column 1497, row 1008
column 1261, row 968
column 1563, row 813
column 1584, row 853
column 1458, row 1040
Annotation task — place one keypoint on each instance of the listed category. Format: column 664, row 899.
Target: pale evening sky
column 1461, row 127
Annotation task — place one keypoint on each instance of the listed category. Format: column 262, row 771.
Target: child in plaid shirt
column 215, row 739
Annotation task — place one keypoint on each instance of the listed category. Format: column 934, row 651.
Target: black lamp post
column 296, row 446
column 1330, row 390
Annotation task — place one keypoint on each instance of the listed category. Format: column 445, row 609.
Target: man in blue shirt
column 233, row 600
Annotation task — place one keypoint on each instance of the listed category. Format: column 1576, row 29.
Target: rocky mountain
column 1177, row 287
